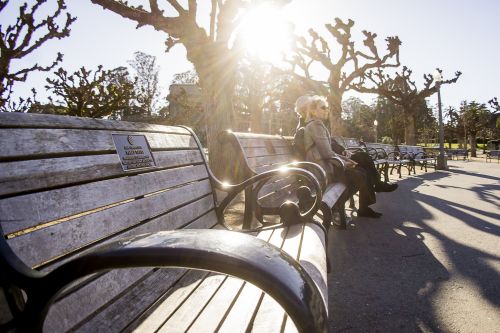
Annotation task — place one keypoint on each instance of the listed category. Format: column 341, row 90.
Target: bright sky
column 450, row 34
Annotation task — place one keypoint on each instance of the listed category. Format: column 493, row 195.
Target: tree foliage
column 28, row 33
column 345, row 67
column 475, row 117
column 147, row 90
column 92, row 94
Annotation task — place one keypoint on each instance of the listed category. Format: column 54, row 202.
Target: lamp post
column 441, row 160
column 375, row 123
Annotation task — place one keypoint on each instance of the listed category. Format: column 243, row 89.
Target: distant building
column 184, row 98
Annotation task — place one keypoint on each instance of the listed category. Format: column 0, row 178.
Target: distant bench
column 493, row 154
column 84, row 243
column 463, row 153
column 418, row 157
column 386, row 157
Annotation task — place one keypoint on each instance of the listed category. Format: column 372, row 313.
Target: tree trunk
column 473, row 152
column 216, row 67
column 410, row 132
column 336, row 124
column 255, row 109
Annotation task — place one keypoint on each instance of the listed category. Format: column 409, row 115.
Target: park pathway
column 430, row 264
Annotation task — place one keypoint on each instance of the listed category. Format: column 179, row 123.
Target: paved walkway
column 430, row 264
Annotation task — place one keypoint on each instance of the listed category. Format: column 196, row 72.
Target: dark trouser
column 358, row 180
column 365, row 161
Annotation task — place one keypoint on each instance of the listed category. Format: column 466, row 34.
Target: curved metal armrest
column 339, row 167
column 372, row 152
column 315, row 168
column 394, row 155
column 381, row 153
column 236, row 254
column 288, row 209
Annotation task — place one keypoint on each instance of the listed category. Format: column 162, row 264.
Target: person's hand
column 350, row 163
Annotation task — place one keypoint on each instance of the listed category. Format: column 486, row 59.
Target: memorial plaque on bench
column 134, row 151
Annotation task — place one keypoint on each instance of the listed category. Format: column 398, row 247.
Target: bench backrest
column 63, row 189
column 256, row 153
column 351, row 143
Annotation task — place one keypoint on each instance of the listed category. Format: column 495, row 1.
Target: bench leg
column 386, row 172
column 339, row 208
column 248, row 214
column 352, row 204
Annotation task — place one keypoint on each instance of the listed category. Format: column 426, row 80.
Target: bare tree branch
column 18, row 40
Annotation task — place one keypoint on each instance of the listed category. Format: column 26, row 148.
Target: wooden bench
column 418, row 157
column 463, row 153
column 256, row 153
column 352, row 146
column 390, row 155
column 89, row 247
column 493, row 154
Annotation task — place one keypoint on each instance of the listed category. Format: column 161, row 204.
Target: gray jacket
column 318, row 146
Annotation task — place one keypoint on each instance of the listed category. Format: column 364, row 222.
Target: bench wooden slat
column 216, row 309
column 119, row 314
column 35, row 143
column 27, row 120
column 270, row 142
column 241, row 315
column 270, row 316
column 25, row 211
column 182, row 319
column 23, row 176
column 114, row 284
column 167, row 317
column 263, row 152
column 69, row 236
column 254, row 162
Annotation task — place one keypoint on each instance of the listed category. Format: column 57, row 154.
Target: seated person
column 317, row 148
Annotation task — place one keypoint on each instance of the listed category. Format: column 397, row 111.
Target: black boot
column 368, row 212
column 385, row 187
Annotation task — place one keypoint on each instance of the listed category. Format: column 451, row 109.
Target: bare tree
column 344, row 68
column 95, row 95
column 26, row 35
column 210, row 52
column 401, row 90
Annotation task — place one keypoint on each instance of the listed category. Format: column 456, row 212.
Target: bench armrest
column 236, row 254
column 289, row 211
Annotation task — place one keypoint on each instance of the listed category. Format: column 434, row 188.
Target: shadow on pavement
column 384, row 278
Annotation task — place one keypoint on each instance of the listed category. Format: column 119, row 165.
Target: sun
column 264, row 32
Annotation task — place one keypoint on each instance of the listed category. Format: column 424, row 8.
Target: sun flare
column 265, row 33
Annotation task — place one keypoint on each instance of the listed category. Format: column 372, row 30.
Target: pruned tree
column 402, row 90
column 147, row 89
column 92, row 94
column 22, row 105
column 344, row 67
column 211, row 53
column 31, row 30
